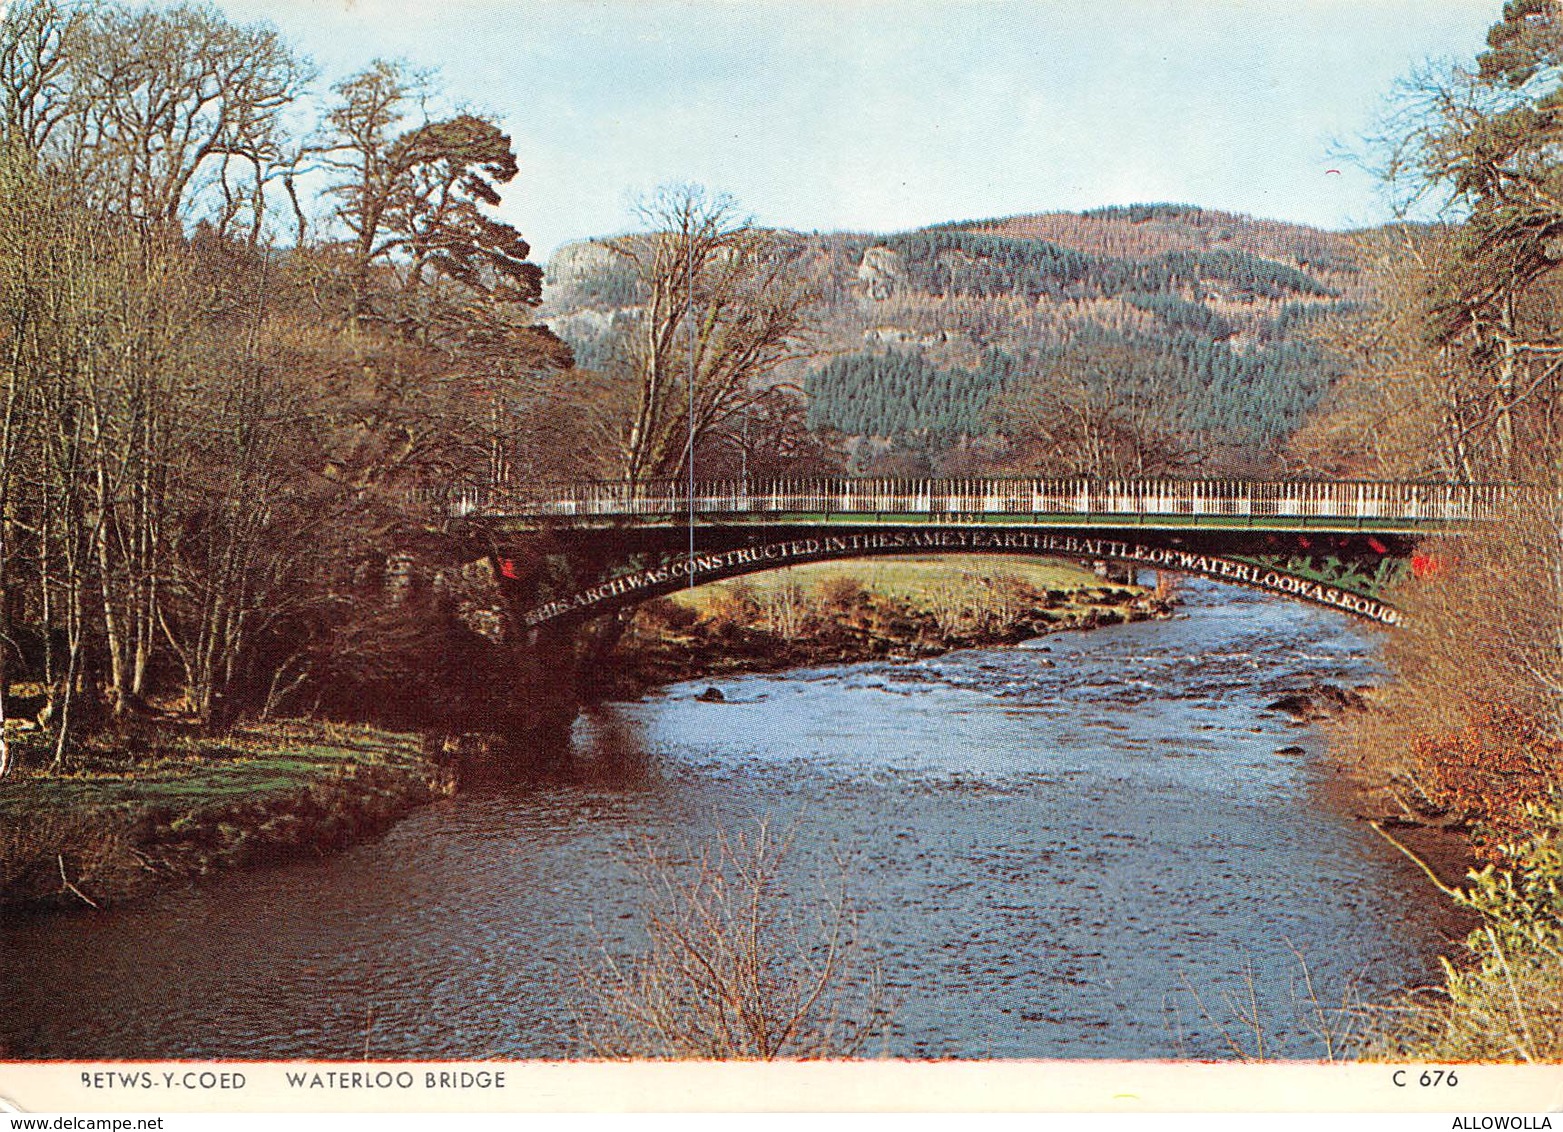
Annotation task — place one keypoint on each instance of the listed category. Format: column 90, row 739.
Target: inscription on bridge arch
column 717, row 564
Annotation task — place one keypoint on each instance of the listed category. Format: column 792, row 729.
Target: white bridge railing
column 1420, row 502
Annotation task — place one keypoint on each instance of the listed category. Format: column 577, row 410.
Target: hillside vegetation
column 932, row 349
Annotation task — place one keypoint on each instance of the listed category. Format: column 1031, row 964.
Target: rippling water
column 1084, row 847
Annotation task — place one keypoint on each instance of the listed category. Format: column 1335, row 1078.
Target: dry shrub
column 956, row 603
column 1010, row 599
column 1506, row 1002
column 1498, row 768
column 1513, row 1012
column 733, row 968
column 1477, row 691
column 77, row 855
column 731, row 608
column 661, row 616
column 787, row 608
column 1253, row 1030
column 842, row 596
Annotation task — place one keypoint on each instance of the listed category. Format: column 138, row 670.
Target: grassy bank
column 915, row 579
column 130, row 815
column 830, row 613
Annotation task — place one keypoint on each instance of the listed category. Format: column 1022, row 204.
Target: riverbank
column 1349, row 789
column 129, row 817
column 1499, row 996
column 842, row 613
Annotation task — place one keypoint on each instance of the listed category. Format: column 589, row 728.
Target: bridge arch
column 1343, row 582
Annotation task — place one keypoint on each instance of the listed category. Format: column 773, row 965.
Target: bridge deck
column 1132, row 503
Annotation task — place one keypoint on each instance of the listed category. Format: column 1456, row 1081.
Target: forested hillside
column 936, row 350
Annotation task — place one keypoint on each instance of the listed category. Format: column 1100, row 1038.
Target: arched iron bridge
column 570, row 552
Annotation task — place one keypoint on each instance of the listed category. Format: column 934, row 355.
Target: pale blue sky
column 877, row 115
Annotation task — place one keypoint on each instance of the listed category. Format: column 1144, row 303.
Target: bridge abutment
column 552, row 669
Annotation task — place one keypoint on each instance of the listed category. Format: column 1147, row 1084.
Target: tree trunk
column 1503, row 400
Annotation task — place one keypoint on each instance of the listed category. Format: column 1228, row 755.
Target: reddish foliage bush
column 662, row 615
column 842, row 595
column 732, row 608
column 1492, row 770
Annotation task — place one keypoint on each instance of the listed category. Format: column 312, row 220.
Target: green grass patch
column 161, row 803
column 908, row 578
column 192, row 771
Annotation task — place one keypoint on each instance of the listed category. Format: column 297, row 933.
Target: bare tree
column 162, row 97
column 19, row 402
column 1405, row 406
column 38, row 40
column 732, row 968
column 768, row 437
column 1093, row 412
column 58, row 266
column 723, row 303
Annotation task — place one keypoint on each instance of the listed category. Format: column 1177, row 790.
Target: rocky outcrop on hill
column 878, row 273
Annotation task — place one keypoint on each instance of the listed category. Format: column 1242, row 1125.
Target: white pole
column 689, row 321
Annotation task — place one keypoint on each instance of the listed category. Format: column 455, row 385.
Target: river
column 1087, row 846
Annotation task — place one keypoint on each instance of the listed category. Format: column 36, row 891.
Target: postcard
column 774, row 555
